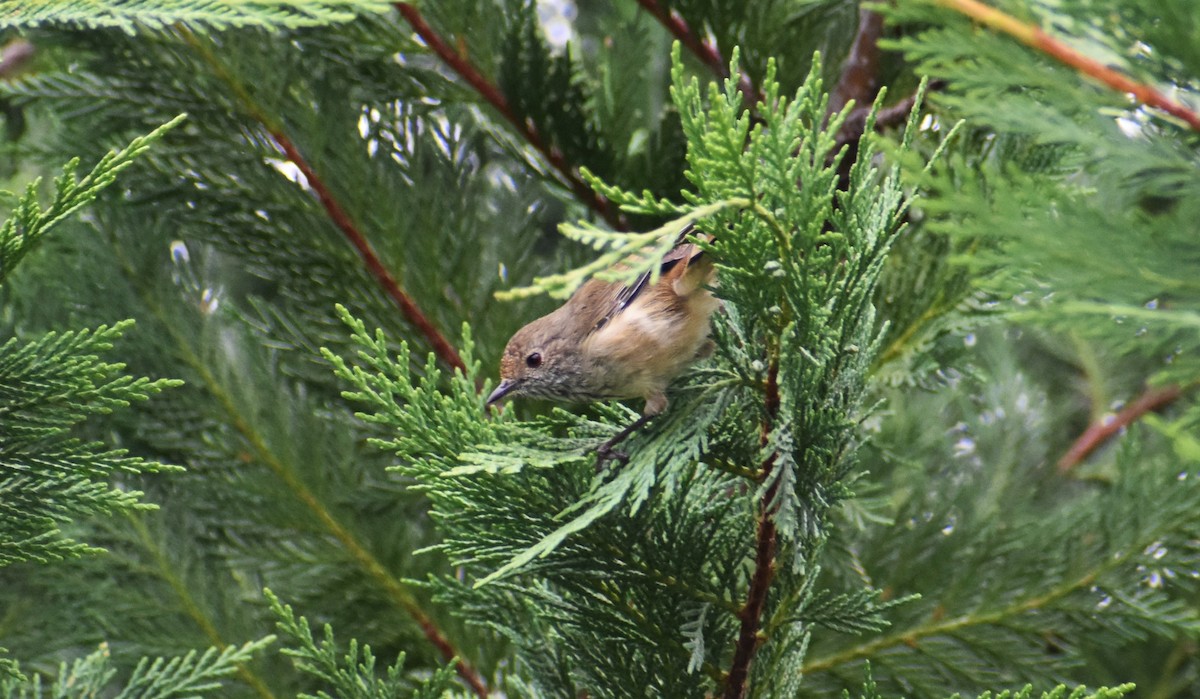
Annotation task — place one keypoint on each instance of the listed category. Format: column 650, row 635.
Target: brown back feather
column 680, row 253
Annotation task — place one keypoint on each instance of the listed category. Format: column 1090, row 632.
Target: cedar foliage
column 877, row 484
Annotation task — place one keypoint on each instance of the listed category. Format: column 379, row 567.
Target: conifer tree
column 946, row 442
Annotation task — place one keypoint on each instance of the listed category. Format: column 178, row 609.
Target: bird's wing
column 627, row 294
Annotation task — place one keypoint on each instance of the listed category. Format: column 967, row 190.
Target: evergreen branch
column 395, row 589
column 191, row 607
column 614, row 596
column 703, row 49
column 764, row 552
column 463, row 67
column 940, row 626
column 28, row 222
column 940, row 306
column 1101, row 431
column 217, row 14
column 14, row 56
column 10, row 671
column 625, row 256
column 340, row 218
column 185, row 676
column 672, row 581
column 48, row 386
column 726, row 466
column 412, row 312
column 1036, row 38
column 352, row 674
column 189, row 675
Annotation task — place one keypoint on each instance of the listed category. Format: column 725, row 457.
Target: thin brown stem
column 412, row 312
column 525, row 127
column 1036, row 38
column 1100, row 432
column 703, row 49
column 859, row 80
column 859, row 83
column 766, row 544
column 333, row 209
column 396, row 589
column 855, row 125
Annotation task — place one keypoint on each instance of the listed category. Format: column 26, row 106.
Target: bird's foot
column 606, row 452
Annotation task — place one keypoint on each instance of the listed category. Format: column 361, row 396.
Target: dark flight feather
column 628, row 294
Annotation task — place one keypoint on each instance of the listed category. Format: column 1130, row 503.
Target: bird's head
column 540, row 361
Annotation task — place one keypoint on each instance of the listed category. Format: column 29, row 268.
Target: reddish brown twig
column 893, row 115
column 766, row 541
column 1100, row 432
column 859, row 80
column 1036, row 38
column 704, row 50
column 412, row 313
column 528, row 130
column 674, row 23
column 444, row 350
column 441, row 347
column 468, row 674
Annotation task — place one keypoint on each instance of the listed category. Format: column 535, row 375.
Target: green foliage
column 588, row 102
column 788, row 32
column 905, row 349
column 349, row 676
column 1106, row 169
column 426, row 424
column 626, row 256
column 1062, row 692
column 191, row 675
column 161, row 14
column 1073, row 210
column 10, row 670
column 545, row 89
column 51, row 384
column 28, row 221
column 762, row 226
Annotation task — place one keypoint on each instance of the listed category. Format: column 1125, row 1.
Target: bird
column 614, row 341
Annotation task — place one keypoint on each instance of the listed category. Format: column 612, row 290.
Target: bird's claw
column 605, row 453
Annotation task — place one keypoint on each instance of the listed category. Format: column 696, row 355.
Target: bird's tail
column 690, row 267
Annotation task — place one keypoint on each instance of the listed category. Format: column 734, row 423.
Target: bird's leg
column 656, row 402
column 606, row 452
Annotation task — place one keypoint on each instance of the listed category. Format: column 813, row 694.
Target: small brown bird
column 613, row 341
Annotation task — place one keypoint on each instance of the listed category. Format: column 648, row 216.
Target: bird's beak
column 506, row 387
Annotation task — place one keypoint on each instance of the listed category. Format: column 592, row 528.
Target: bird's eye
column 534, row 360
